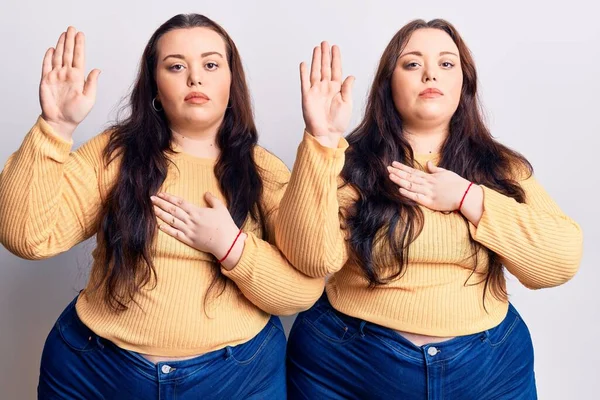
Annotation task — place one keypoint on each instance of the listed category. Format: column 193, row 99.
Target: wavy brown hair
column 381, row 214
column 142, row 141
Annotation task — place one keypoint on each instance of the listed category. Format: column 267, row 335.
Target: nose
column 194, row 78
column 429, row 74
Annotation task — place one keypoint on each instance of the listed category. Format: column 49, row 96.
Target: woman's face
column 427, row 81
column 193, row 78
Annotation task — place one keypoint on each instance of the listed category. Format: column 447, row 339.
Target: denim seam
column 180, row 378
column 465, row 348
column 268, row 337
column 396, row 350
column 330, row 339
column 127, row 353
column 84, row 350
column 506, row 335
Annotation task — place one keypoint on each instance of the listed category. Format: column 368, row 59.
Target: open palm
column 326, row 100
column 66, row 96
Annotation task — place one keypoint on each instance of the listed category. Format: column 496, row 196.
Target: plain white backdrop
column 539, row 79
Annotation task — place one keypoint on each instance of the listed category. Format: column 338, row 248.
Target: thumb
column 432, row 168
column 212, row 200
column 347, row 88
column 91, row 83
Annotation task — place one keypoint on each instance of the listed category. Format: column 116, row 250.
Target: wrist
column 226, row 242
column 62, row 129
column 464, row 195
column 234, row 256
column 327, row 139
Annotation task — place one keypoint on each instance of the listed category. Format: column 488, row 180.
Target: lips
column 196, row 97
column 431, row 92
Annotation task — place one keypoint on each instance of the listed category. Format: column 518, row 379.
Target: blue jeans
column 334, row 356
column 77, row 364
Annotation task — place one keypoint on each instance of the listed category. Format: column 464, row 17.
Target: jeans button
column 165, row 369
column 432, row 351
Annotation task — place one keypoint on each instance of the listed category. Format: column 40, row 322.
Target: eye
column 211, row 66
column 176, row 67
column 411, row 65
column 447, row 64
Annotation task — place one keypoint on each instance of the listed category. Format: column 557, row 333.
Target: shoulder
column 270, row 166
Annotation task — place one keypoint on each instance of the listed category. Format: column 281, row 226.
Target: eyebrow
column 418, row 53
column 208, row 53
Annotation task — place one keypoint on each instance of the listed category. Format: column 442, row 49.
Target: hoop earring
column 154, row 105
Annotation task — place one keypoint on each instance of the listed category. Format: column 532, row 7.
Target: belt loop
column 484, row 335
column 99, row 342
column 228, row 352
column 361, row 328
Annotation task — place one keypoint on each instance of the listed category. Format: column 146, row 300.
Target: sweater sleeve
column 536, row 241
column 309, row 231
column 49, row 196
column 263, row 274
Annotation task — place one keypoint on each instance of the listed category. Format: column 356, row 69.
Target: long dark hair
column 381, row 216
column 142, row 141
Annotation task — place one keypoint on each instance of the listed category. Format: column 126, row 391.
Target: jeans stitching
column 507, row 334
column 330, row 339
column 87, row 347
column 267, row 338
column 395, row 349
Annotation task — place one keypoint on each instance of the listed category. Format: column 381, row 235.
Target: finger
column 57, row 58
column 418, row 179
column 79, row 51
column 91, row 83
column 416, row 197
column 176, row 201
column 304, row 78
column 213, row 201
column 347, row 88
column 169, row 219
column 315, row 66
column 406, row 184
column 432, row 168
column 408, row 169
column 336, row 64
column 47, row 63
column 170, row 209
column 325, row 62
column 69, row 46
column 177, row 234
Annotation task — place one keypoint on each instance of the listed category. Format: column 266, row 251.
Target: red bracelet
column 463, row 198
column 232, row 244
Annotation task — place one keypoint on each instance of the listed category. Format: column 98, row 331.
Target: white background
column 539, row 78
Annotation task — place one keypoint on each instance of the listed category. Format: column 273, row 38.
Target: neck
column 197, row 142
column 426, row 140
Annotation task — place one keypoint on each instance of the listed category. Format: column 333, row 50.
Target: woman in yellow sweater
column 415, row 216
column 177, row 306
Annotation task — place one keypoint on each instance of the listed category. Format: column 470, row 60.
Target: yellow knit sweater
column 438, row 295
column 50, row 200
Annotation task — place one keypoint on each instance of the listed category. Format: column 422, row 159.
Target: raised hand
column 326, row 100
column 66, row 96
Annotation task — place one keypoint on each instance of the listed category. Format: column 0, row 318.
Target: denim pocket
column 74, row 332
column 498, row 335
column 245, row 353
column 335, row 326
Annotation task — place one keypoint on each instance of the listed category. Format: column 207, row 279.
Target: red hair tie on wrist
column 464, row 195
column 232, row 244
